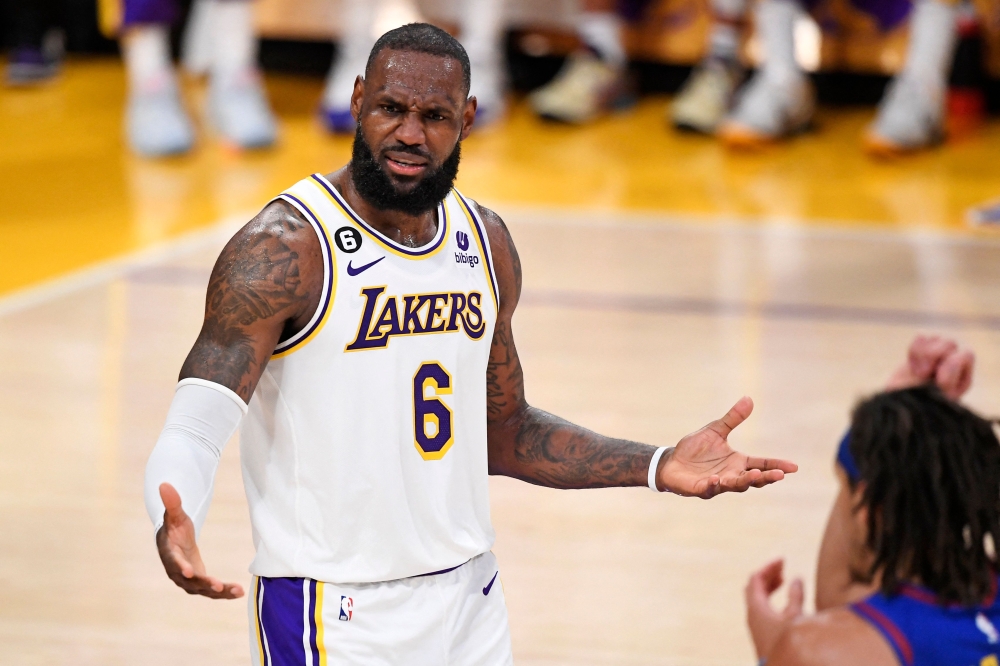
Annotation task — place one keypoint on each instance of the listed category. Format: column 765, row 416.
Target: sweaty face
column 375, row 183
column 412, row 114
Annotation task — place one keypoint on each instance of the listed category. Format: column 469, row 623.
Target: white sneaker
column 706, row 97
column 767, row 110
column 239, row 110
column 910, row 117
column 583, row 89
column 155, row 121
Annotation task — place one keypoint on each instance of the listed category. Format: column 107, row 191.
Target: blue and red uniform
column 922, row 632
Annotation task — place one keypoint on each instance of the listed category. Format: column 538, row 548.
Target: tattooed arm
column 532, row 445
column 264, row 288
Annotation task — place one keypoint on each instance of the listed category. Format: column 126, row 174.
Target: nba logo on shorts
column 463, row 240
column 346, row 608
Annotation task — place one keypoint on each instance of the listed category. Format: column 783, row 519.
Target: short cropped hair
column 423, row 38
column 931, row 474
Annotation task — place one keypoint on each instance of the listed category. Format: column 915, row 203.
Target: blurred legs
column 911, row 115
column 155, row 120
column 778, row 101
column 238, row 104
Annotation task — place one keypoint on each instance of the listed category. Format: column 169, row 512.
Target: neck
column 405, row 229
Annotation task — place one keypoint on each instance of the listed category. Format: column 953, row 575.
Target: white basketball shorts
column 457, row 617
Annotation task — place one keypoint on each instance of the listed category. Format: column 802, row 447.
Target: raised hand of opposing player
column 932, row 358
column 704, row 465
column 179, row 552
column 767, row 624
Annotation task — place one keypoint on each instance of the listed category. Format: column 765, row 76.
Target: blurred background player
column 707, row 95
column 907, row 570
column 481, row 25
column 779, row 100
column 594, row 78
column 37, row 48
column 156, row 121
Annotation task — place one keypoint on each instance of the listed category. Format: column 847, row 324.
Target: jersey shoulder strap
column 470, row 212
column 304, row 197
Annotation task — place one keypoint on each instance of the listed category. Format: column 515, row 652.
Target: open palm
column 704, row 465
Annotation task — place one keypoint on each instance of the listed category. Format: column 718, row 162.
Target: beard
column 375, row 187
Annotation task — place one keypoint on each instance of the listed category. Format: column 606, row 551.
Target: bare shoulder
column 505, row 257
column 832, row 638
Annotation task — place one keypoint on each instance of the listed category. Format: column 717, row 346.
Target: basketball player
column 360, row 330
column 907, row 570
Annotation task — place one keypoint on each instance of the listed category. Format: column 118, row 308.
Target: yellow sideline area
column 74, row 195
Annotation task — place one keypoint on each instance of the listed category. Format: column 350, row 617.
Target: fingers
column 208, row 586
column 765, row 464
column 926, row 352
column 954, row 375
column 735, row 416
column 764, row 582
column 796, row 595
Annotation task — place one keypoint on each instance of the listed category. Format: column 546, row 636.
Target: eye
column 434, row 115
column 391, row 108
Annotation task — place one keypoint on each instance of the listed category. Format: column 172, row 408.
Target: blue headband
column 846, row 459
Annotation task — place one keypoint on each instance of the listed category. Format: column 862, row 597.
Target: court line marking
column 219, row 232
column 672, row 305
column 776, row 225
column 109, row 269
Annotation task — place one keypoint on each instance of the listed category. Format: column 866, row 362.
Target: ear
column 357, row 97
column 468, row 116
column 860, row 512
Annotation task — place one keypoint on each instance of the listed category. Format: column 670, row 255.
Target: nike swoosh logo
column 486, row 590
column 352, row 271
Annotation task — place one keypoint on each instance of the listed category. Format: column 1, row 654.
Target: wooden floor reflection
column 641, row 326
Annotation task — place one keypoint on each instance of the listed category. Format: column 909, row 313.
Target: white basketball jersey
column 364, row 449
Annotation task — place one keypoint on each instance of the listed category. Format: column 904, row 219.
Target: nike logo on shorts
column 352, row 271
column 486, row 590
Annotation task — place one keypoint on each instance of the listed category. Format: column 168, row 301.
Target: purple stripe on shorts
column 281, row 618
column 149, row 11
column 888, row 13
column 312, row 623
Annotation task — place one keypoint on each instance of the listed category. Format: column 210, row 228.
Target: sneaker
column 155, row 121
column 910, row 117
column 767, row 110
column 29, row 65
column 335, row 107
column 583, row 89
column 706, row 97
column 239, row 110
column 338, row 121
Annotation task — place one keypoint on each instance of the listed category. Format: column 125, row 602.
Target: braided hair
column 931, row 474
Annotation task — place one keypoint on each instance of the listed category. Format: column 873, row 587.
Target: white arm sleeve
column 202, row 418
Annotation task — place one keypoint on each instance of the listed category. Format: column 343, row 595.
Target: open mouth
column 405, row 164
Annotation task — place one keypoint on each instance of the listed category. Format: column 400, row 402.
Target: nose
column 411, row 130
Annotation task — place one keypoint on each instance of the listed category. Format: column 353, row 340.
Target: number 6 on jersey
column 432, row 421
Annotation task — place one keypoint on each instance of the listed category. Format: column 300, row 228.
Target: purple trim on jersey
column 488, row 260
column 885, row 626
column 402, row 249
column 442, row 571
column 281, row 617
column 328, row 258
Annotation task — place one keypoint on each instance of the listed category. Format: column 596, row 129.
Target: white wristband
column 651, row 480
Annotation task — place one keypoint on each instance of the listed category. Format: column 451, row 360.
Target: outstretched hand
column 704, row 465
column 175, row 541
column 766, row 624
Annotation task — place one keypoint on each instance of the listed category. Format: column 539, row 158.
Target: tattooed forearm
column 552, row 452
column 257, row 288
